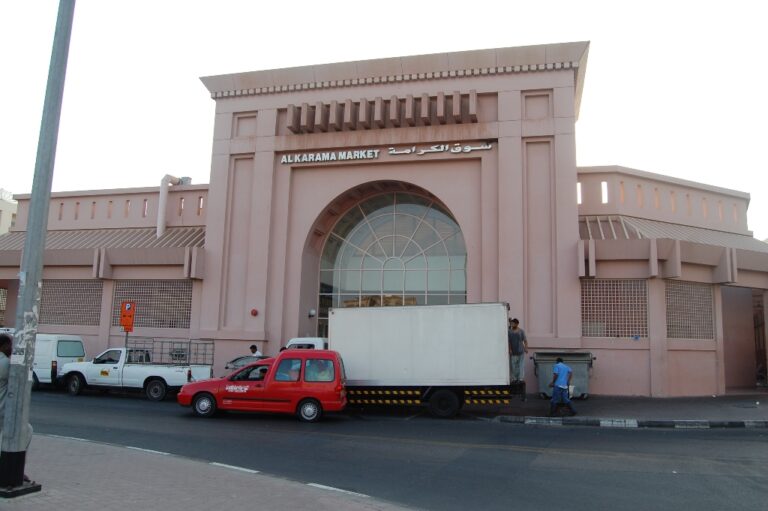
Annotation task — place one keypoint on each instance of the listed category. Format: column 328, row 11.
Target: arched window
column 392, row 249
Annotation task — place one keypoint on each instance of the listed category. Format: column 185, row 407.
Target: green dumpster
column 580, row 363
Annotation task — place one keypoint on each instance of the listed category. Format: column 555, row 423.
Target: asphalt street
column 417, row 461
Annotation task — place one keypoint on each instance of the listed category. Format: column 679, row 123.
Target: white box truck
column 440, row 356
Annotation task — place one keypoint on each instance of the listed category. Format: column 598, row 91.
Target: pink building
column 431, row 179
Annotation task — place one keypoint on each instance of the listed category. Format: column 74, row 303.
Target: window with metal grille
column 614, row 308
column 3, row 303
column 690, row 310
column 159, row 303
column 71, row 302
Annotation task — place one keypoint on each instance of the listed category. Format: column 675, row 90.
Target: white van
column 52, row 351
column 311, row 343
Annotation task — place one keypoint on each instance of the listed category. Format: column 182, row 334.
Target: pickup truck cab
column 130, row 369
column 302, row 382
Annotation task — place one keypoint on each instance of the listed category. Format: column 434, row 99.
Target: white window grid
column 159, row 303
column 71, row 302
column 3, row 305
column 614, row 308
column 690, row 310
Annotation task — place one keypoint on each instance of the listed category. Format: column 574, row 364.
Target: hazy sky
column 677, row 88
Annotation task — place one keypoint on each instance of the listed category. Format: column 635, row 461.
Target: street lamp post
column 15, row 426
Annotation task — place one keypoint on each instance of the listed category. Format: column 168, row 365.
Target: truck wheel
column 310, row 411
column 35, row 382
column 444, row 404
column 156, row 390
column 75, row 384
column 204, row 405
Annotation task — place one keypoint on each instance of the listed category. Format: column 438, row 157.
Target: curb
column 633, row 423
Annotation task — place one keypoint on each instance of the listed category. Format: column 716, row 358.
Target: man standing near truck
column 518, row 347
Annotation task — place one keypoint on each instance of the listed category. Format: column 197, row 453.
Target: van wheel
column 75, row 384
column 156, row 390
column 204, row 405
column 444, row 404
column 35, row 382
column 310, row 410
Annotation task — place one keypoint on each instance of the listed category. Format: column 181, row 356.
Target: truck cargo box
column 436, row 345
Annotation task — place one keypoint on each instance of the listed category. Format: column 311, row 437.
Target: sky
column 675, row 88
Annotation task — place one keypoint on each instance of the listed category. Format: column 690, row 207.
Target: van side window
column 288, row 370
column 67, row 348
column 319, row 370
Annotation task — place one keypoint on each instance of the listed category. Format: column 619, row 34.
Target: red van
column 302, row 382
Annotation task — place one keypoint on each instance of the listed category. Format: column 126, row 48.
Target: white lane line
column 331, row 488
column 69, row 438
column 151, row 451
column 233, row 467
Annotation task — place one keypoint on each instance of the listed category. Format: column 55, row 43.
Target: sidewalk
column 88, row 476
column 743, row 410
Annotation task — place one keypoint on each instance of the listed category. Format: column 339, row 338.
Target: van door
column 285, row 387
column 246, row 390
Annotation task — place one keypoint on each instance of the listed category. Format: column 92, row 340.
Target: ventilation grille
column 614, row 308
column 159, row 303
column 71, row 302
column 3, row 305
column 690, row 310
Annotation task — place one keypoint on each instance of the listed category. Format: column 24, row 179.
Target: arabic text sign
column 440, row 148
column 373, row 154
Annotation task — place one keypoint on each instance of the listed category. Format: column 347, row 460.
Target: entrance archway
column 392, row 247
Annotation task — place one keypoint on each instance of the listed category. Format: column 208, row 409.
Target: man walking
column 561, row 381
column 255, row 351
column 518, row 347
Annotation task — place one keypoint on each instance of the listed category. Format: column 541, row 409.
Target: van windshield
column 70, row 349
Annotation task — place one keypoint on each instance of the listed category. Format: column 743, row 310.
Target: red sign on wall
column 127, row 310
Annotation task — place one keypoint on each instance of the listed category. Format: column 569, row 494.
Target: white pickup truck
column 153, row 368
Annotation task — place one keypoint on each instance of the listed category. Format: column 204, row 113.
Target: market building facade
column 433, row 179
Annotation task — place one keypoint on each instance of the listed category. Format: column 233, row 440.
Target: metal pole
column 16, row 434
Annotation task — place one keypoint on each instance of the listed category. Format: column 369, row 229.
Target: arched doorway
column 392, row 248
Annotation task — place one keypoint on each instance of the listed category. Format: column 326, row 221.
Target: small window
column 288, row 370
column 110, row 357
column 604, row 192
column 319, row 370
column 70, row 349
column 255, row 373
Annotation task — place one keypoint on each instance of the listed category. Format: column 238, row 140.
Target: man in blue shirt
column 561, row 380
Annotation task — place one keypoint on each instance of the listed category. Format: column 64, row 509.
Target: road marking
column 331, row 488
column 618, row 423
column 70, row 438
column 690, row 424
column 233, row 467
column 151, row 451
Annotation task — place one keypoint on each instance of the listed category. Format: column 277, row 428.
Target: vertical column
column 539, row 235
column 105, row 321
column 657, row 338
column 510, row 202
column 719, row 340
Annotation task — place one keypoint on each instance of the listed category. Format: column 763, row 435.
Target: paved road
column 442, row 464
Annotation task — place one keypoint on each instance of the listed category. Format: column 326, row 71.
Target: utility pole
column 16, row 434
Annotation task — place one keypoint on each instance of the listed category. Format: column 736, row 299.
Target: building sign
column 441, row 148
column 373, row 154
column 357, row 154
column 127, row 310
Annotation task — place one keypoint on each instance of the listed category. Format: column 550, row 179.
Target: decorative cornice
column 407, row 77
